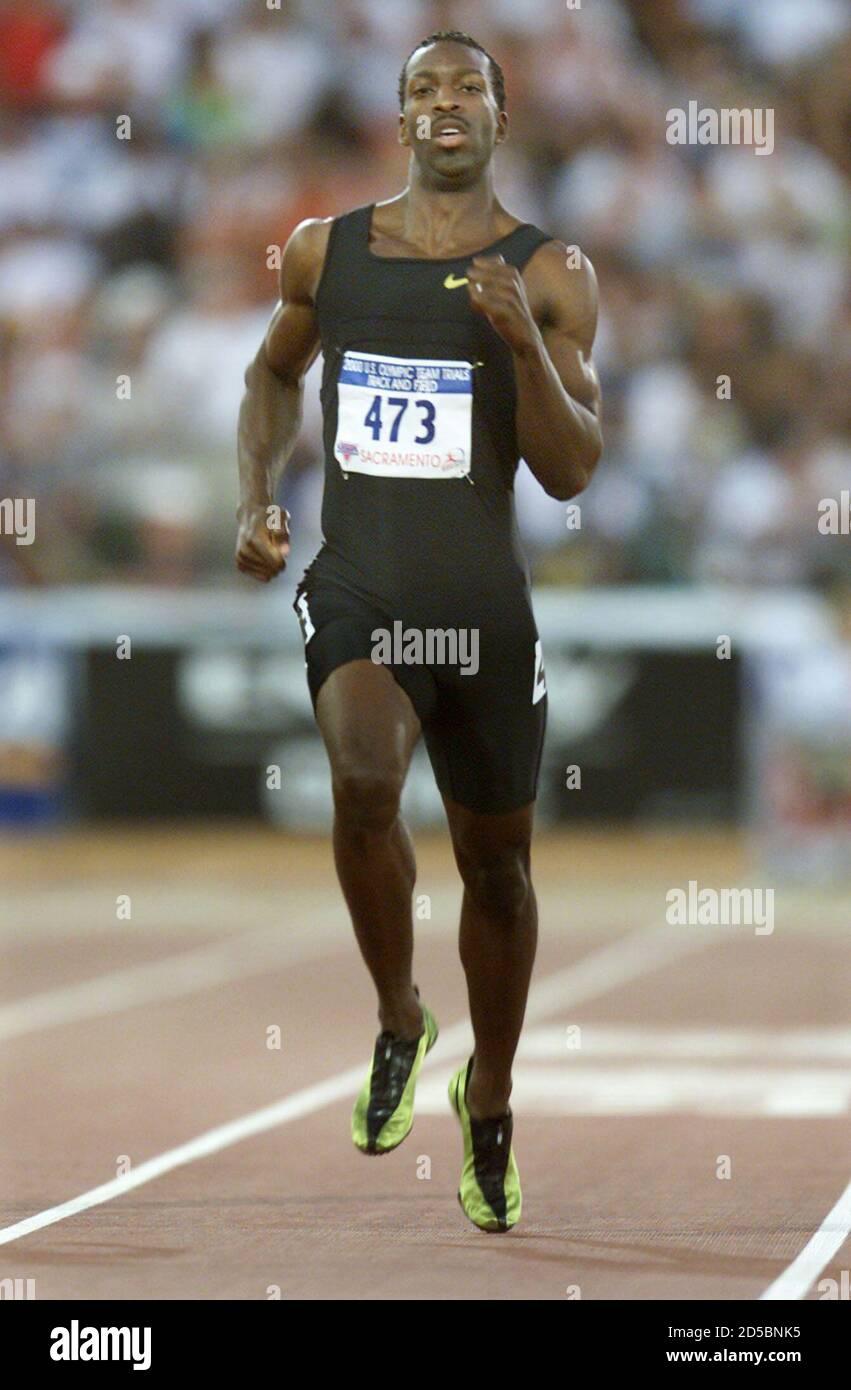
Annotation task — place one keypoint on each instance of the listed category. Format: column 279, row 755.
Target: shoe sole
column 485, row 1230
column 379, row 1153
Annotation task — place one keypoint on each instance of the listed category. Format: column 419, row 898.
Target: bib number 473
column 373, row 420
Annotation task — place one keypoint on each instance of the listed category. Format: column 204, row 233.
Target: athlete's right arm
column 270, row 413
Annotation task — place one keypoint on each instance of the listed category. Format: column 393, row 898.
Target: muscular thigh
column 367, row 721
column 369, row 714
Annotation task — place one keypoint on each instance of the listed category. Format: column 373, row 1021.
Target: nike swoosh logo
column 452, row 284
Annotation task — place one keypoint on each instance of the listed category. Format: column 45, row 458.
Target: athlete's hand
column 263, row 541
column 496, row 290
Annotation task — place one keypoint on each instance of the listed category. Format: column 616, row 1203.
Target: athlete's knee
column 498, row 884
column 367, row 798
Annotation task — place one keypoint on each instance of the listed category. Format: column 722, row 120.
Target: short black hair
column 455, row 36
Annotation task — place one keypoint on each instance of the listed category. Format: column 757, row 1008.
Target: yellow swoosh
column 452, row 284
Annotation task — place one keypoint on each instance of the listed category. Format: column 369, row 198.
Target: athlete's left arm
column 548, row 317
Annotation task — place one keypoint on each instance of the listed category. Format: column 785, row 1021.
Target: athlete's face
column 450, row 120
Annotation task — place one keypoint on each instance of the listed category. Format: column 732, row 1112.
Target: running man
column 456, row 339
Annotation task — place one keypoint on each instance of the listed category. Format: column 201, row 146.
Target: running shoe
column 490, row 1183
column 384, row 1111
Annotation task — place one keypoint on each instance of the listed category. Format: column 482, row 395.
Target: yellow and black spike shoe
column 490, row 1183
column 384, row 1111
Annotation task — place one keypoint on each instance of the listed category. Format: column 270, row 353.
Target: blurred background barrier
column 667, row 707
column 154, row 158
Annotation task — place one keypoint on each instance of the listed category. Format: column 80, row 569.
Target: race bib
column 400, row 417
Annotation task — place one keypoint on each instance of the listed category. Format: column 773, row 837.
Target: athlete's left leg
column 498, row 937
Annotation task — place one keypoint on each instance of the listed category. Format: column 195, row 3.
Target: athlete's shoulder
column 304, row 258
column 554, row 260
column 562, row 279
column 310, row 238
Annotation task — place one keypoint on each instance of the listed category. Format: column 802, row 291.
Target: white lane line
column 605, row 969
column 188, row 972
column 291, row 1108
column 32, row 920
column 795, row 1282
column 569, row 1089
column 172, row 977
column 598, row 1040
column 622, row 960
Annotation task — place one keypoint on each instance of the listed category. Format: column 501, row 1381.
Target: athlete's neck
column 439, row 222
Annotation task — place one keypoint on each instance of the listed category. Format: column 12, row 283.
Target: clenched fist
column 496, row 290
column 263, row 541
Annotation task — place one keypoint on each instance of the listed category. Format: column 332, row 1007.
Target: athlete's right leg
column 370, row 730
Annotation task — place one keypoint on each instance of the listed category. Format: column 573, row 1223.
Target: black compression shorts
column 483, row 714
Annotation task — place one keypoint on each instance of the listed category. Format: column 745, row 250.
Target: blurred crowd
column 154, row 153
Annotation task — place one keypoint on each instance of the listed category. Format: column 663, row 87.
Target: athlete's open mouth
column 448, row 135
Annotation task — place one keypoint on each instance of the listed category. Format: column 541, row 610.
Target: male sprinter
column 456, row 339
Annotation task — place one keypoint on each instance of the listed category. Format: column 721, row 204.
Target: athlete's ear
column 501, row 128
column 403, row 130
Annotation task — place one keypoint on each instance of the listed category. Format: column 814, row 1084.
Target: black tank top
column 418, row 401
